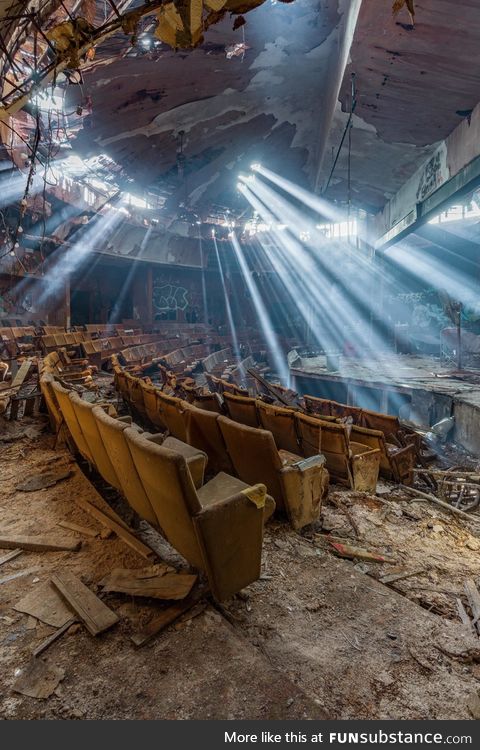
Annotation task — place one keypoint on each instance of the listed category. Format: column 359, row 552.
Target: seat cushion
column 219, row 488
column 188, row 451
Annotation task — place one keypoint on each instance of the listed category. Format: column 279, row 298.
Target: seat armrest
column 402, row 461
column 125, row 420
column 305, row 485
column 157, row 437
column 230, row 536
column 365, row 467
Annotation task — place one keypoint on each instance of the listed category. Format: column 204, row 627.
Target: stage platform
column 420, row 389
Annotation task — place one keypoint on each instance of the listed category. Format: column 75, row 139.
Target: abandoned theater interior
column 239, row 359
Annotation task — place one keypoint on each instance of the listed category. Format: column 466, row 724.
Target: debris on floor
column 38, row 679
column 156, row 581
column 311, row 617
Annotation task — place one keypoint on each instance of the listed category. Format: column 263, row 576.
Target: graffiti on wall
column 434, row 174
column 169, row 297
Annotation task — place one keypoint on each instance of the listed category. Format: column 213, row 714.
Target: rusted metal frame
column 33, row 17
column 115, row 9
column 50, row 71
column 10, row 53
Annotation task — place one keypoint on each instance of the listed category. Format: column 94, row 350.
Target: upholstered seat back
column 55, row 415
column 281, row 423
column 63, row 397
column 168, row 485
column 314, row 405
column 112, row 432
column 84, row 413
column 171, row 412
column 151, row 405
column 208, row 401
column 335, row 448
column 254, row 456
column 203, row 432
column 241, row 409
column 386, row 423
column 309, row 432
column 136, row 395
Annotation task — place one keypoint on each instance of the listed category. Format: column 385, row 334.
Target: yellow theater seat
column 203, row 432
column 112, row 432
column 280, row 421
column 298, row 486
column 309, row 432
column 241, row 409
column 151, row 404
column 88, row 424
column 54, row 413
column 349, row 462
column 68, row 412
column 218, row 529
column 172, row 414
column 395, row 463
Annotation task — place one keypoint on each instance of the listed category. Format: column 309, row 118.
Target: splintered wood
column 39, row 543
column 96, row 616
column 165, row 618
column 120, row 530
column 156, row 581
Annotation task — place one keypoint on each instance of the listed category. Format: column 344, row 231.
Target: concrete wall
column 417, row 196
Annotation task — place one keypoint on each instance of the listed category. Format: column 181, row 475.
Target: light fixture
column 255, row 166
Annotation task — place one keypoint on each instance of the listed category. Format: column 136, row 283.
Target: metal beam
column 466, row 180
column 448, row 240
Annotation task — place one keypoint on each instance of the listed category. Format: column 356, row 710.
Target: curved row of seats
column 377, row 430
column 347, row 447
column 298, row 486
column 297, row 481
column 217, row 526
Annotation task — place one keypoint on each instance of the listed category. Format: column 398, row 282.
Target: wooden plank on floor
column 97, row 499
column 22, row 374
column 18, row 574
column 45, row 604
column 10, row 556
column 79, row 529
column 166, row 618
column 96, row 616
column 125, row 535
column 39, row 543
column 55, row 636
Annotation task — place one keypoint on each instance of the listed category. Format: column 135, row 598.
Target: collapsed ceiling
column 184, row 96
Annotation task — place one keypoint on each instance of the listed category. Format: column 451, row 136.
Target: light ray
column 319, row 205
column 228, row 308
column 278, row 357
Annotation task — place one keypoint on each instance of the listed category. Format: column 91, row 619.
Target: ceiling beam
column 334, row 72
column 448, row 240
column 450, row 173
